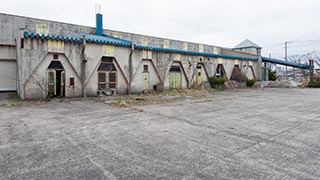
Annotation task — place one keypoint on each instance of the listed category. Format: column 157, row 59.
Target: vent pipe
column 99, row 24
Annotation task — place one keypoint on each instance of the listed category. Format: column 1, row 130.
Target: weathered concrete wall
column 94, row 53
column 8, row 52
column 251, row 50
column 236, row 53
column 36, row 56
column 11, row 27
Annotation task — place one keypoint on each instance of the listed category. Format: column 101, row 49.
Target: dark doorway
column 56, row 79
column 60, row 83
column 220, row 72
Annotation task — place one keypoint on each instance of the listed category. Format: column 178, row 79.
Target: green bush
column 272, row 75
column 250, row 82
column 216, row 81
column 314, row 84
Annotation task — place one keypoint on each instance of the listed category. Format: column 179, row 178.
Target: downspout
column 83, row 67
column 17, row 64
column 130, row 68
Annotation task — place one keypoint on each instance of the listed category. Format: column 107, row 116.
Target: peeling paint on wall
column 185, row 46
column 166, row 44
column 42, row 28
column 215, row 50
column 144, row 41
column 147, row 54
column 201, row 48
column 84, row 29
column 55, row 46
column 108, row 50
column 117, row 35
column 177, row 57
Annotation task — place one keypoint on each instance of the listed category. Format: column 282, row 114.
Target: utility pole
column 286, row 57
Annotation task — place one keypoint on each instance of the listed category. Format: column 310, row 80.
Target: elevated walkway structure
column 285, row 63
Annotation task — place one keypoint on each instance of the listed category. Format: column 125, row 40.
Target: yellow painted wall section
column 166, row 44
column 236, row 62
column 185, row 46
column 54, row 45
column 201, row 48
column 215, row 50
column 177, row 57
column 84, row 29
column 220, row 60
column 147, row 54
column 144, row 41
column 250, row 63
column 42, row 28
column 117, row 34
column 108, row 50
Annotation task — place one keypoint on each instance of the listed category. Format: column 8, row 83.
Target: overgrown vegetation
column 314, row 84
column 238, row 76
column 250, row 82
column 216, row 81
column 272, row 75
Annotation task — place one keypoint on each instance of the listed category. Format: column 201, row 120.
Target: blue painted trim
column 52, row 37
column 285, row 63
column 136, row 46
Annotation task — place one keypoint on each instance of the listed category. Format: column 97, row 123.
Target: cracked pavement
column 246, row 134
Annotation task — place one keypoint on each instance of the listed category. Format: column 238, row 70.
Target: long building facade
column 40, row 58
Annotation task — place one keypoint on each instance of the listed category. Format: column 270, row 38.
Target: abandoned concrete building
column 40, row 58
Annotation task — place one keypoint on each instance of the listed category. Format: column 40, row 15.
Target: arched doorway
column 107, row 75
column 56, row 79
column 175, row 80
column 220, row 72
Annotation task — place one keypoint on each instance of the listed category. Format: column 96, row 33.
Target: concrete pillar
column 259, row 70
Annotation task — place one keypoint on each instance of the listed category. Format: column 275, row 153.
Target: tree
column 41, row 82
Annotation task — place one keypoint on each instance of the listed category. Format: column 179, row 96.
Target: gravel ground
column 246, row 134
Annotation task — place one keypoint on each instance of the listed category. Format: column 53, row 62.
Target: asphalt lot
column 247, row 134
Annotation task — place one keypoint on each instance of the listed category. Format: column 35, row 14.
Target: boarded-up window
column 72, row 81
column 101, row 80
column 107, row 73
column 145, row 68
column 112, row 80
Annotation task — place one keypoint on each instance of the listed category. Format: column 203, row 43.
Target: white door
column 8, row 75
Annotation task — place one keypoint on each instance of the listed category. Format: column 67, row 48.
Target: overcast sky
column 268, row 23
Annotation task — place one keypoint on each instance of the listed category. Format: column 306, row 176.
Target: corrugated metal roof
column 247, row 43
